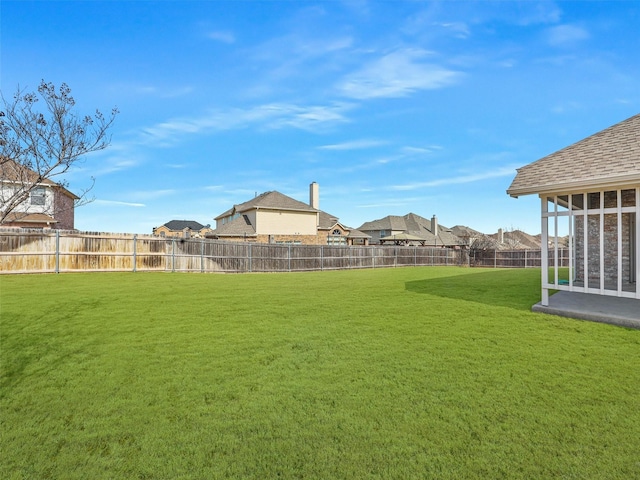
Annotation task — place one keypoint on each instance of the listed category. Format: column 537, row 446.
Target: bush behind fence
column 56, row 251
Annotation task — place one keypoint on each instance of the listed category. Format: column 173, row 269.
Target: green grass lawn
column 391, row 373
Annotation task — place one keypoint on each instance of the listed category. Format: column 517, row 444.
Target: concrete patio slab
column 624, row 312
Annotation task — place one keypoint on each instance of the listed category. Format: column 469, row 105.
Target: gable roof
column 326, row 221
column 610, row 157
column 464, row 231
column 515, row 239
column 237, row 227
column 14, row 172
column 179, row 225
column 19, row 217
column 413, row 224
column 269, row 201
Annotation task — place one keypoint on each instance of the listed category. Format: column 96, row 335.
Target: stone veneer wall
column 610, row 245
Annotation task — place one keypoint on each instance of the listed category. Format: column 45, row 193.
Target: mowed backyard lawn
column 437, row 372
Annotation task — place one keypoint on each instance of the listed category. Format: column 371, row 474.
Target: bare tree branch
column 37, row 147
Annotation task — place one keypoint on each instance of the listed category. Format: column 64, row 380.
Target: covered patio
column 617, row 311
column 590, row 196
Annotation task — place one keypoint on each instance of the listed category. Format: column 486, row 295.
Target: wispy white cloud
column 567, row 107
column 566, row 35
column 153, row 194
column 397, row 74
column 159, row 91
column 118, row 162
column 354, row 145
column 420, row 150
column 213, row 188
column 396, row 202
column 476, row 177
column 266, row 117
column 222, row 36
column 117, row 203
column 458, row 29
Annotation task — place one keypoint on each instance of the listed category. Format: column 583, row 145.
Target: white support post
column 637, row 250
column 545, row 251
column 585, row 242
column 555, row 240
column 619, row 235
column 601, row 243
column 570, row 240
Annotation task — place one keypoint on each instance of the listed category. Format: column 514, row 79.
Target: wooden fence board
column 44, row 251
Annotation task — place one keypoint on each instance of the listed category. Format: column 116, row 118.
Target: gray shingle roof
column 269, row 200
column 326, row 221
column 609, row 157
column 414, row 225
column 240, row 226
column 179, row 225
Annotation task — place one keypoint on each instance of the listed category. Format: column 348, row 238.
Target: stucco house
column 273, row 217
column 590, row 192
column 48, row 204
column 182, row 228
column 410, row 229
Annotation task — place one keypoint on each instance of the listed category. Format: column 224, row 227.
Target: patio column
column 545, row 250
column 637, row 240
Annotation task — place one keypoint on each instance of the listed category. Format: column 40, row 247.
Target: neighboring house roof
column 610, row 157
column 30, row 218
column 403, row 236
column 464, row 231
column 326, row 221
column 269, row 200
column 13, row 172
column 354, row 233
column 516, row 239
column 179, row 225
column 237, row 227
column 414, row 225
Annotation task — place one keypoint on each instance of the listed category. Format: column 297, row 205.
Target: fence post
column 321, row 258
column 173, row 255
column 57, row 251
column 495, row 258
column 289, row 259
column 250, row 258
column 202, row 255
column 135, row 237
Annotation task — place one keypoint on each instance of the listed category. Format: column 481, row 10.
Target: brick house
column 590, row 191
column 273, row 217
column 182, row 228
column 48, row 204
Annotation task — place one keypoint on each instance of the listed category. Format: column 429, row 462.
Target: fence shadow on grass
column 517, row 288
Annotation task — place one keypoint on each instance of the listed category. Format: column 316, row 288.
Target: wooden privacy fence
column 516, row 258
column 55, row 251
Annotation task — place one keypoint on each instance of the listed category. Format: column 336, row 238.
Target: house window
column 38, row 196
column 384, row 233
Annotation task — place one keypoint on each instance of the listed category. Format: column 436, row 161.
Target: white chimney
column 500, row 235
column 434, row 225
column 314, row 196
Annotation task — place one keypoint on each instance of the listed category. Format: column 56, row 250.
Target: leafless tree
column 41, row 144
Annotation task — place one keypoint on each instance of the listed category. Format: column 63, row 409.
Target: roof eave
column 583, row 185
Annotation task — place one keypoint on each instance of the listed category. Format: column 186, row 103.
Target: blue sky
column 391, row 106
